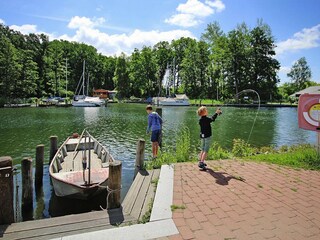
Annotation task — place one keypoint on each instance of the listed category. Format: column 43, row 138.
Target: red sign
column 309, row 112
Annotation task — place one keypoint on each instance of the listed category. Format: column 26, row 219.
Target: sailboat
column 83, row 100
column 177, row 99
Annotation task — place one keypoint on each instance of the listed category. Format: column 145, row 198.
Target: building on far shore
column 104, row 94
column 310, row 90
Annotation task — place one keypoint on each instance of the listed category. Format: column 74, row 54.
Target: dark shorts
column 155, row 135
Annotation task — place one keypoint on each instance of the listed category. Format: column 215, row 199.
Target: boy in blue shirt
column 154, row 125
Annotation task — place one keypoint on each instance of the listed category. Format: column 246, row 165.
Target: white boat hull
column 174, row 102
column 89, row 102
column 70, row 178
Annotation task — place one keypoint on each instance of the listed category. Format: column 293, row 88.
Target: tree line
column 218, row 66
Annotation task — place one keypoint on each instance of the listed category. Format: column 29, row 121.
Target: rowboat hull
column 70, row 178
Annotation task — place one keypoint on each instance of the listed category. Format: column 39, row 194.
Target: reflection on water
column 119, row 126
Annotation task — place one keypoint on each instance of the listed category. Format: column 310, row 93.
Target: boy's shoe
column 202, row 165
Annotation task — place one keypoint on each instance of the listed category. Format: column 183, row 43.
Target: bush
column 183, row 146
column 2, row 102
column 241, row 148
column 217, row 152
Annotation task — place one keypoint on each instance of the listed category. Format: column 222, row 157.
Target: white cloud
column 195, row 8
column 25, row 29
column 284, row 70
column 305, row 39
column 2, row 21
column 87, row 32
column 82, row 22
column 218, row 5
column 192, row 12
column 183, row 20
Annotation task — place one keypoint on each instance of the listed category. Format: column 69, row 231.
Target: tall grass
column 300, row 156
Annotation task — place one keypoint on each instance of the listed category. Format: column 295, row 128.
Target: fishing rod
column 254, row 121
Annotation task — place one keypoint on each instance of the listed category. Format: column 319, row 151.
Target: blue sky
column 115, row 26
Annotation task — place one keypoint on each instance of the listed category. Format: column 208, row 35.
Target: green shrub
column 183, row 146
column 241, row 148
column 217, row 152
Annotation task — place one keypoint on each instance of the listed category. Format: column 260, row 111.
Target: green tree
column 9, row 68
column 26, row 84
column 300, row 74
column 121, row 77
column 263, row 66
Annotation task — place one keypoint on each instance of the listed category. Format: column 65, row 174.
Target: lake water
column 119, row 126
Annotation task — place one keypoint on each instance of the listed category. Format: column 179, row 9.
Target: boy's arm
column 214, row 116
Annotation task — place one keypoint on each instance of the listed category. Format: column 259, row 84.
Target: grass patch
column 301, row 156
column 205, row 102
column 146, row 217
column 175, row 207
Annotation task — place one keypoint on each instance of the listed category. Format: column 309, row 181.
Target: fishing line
column 254, row 121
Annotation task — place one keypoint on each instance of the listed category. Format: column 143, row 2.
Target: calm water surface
column 119, row 126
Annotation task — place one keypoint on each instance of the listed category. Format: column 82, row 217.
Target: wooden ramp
column 141, row 194
column 134, row 206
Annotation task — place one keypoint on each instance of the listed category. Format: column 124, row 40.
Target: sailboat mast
column 88, row 85
column 66, row 77
column 83, row 75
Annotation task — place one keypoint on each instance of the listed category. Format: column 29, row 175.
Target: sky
column 115, row 26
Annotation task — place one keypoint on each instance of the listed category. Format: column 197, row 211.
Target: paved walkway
column 246, row 200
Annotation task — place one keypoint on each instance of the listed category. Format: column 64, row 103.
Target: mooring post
column 139, row 156
column 6, row 193
column 53, row 147
column 159, row 111
column 39, row 165
column 27, row 189
column 114, row 184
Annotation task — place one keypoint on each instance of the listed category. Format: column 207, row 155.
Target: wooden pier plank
column 139, row 196
column 67, row 225
column 134, row 206
column 151, row 193
column 129, row 200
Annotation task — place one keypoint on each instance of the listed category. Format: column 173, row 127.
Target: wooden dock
column 134, row 207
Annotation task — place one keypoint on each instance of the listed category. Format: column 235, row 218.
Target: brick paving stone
column 273, row 202
column 200, row 217
column 193, row 224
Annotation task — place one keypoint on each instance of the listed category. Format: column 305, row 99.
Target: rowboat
column 80, row 167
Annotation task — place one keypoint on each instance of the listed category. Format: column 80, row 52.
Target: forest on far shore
column 218, row 66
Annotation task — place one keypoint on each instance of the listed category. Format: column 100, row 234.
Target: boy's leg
column 155, row 147
column 203, row 156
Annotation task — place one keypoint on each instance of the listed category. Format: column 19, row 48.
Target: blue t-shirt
column 154, row 122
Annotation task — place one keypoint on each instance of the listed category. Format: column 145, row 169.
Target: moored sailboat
column 83, row 100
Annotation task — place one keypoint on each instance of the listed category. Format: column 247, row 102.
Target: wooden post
column 114, row 184
column 39, row 165
column 27, row 189
column 139, row 156
column 53, row 147
column 159, row 111
column 6, row 193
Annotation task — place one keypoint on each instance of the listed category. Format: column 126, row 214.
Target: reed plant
column 298, row 156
